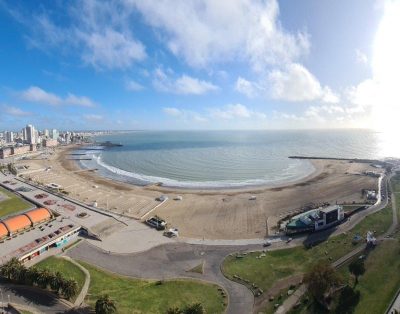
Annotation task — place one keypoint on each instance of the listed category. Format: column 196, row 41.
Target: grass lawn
column 265, row 271
column 13, row 204
column 142, row 296
column 65, row 267
column 381, row 280
column 379, row 283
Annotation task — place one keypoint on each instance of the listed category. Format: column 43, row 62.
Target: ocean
column 226, row 159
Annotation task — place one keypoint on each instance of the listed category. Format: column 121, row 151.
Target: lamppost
column 8, row 305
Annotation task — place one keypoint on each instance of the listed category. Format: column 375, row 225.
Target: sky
column 191, row 64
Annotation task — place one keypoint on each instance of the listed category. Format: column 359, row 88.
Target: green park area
column 141, row 296
column 65, row 267
column 381, row 279
column 265, row 271
column 375, row 287
column 11, row 204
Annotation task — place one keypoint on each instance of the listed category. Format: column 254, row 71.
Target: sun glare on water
column 385, row 86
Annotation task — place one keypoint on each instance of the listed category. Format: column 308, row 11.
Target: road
column 173, row 261
column 42, row 301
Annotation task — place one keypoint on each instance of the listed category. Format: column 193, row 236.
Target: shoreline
column 74, row 165
column 227, row 214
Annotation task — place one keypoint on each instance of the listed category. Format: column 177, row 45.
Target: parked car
column 268, row 243
column 156, row 222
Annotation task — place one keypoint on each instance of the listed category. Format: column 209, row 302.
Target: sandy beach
column 209, row 214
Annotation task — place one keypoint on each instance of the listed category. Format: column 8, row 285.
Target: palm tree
column 69, row 288
column 13, row 269
column 6, row 270
column 56, row 281
column 31, row 276
column 105, row 305
column 43, row 279
column 195, row 308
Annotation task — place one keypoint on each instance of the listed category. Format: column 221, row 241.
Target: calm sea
column 227, row 158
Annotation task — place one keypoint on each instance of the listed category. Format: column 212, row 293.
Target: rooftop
column 34, row 237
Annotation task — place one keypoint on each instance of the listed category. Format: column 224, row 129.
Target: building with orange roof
column 38, row 215
column 3, row 231
column 17, row 223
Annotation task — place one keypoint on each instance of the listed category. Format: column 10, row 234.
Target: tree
column 320, row 280
column 348, row 300
column 56, row 281
column 13, row 270
column 43, row 278
column 357, row 268
column 69, row 288
column 105, row 305
column 31, row 276
column 195, row 308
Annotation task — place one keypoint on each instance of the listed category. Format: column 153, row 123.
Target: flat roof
column 329, row 208
column 35, row 237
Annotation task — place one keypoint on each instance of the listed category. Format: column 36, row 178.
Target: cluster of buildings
column 29, row 139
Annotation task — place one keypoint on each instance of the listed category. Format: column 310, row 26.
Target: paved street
column 172, row 261
column 43, row 302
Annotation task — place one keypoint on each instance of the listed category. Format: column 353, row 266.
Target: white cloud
column 189, row 85
column 38, row 95
column 361, row 57
column 184, row 85
column 328, row 96
column 111, row 49
column 221, row 31
column 246, row 87
column 14, row 111
column 82, row 101
column 174, row 112
column 99, row 32
column 133, row 86
column 295, row 83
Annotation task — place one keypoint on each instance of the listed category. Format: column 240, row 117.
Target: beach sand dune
column 210, row 214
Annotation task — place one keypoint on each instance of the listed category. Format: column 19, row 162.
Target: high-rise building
column 46, row 133
column 24, row 136
column 54, row 134
column 30, row 134
column 9, row 137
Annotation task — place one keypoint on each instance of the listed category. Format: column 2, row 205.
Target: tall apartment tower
column 30, row 134
column 9, row 137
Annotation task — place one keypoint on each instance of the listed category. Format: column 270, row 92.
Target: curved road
column 173, row 261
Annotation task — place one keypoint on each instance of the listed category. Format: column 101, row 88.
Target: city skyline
column 246, row 65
